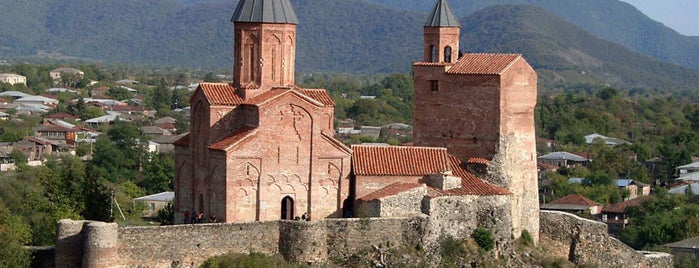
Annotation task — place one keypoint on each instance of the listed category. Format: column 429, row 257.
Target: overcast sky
column 680, row 15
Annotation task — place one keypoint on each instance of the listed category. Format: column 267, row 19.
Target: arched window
column 447, row 54
column 433, row 54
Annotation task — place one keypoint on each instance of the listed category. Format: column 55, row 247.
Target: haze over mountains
column 359, row 36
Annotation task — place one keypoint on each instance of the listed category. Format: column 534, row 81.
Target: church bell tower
column 265, row 46
column 441, row 35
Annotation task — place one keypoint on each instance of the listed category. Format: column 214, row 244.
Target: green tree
column 158, row 173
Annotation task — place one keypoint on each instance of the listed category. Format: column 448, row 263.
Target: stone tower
column 265, row 46
column 479, row 105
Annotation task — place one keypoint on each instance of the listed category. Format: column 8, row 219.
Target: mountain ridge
column 350, row 36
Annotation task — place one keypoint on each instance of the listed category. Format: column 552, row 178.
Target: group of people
column 305, row 217
column 195, row 217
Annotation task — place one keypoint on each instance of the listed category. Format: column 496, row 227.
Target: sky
column 680, row 15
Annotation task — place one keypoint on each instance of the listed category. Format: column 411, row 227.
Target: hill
column 351, row 36
column 564, row 54
column 612, row 20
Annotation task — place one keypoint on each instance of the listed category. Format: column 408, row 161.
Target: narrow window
column 434, row 85
column 433, row 54
column 447, row 54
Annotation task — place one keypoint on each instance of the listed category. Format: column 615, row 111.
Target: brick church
column 262, row 148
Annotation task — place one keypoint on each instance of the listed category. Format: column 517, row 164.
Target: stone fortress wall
column 99, row 244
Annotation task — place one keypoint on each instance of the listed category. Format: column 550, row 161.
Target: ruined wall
column 97, row 244
column 399, row 205
column 459, row 216
column 584, row 241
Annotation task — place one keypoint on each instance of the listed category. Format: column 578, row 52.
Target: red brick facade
column 261, row 148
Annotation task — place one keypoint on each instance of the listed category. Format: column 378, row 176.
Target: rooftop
column 269, row 11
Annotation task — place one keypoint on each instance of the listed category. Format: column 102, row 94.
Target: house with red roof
column 615, row 216
column 575, row 204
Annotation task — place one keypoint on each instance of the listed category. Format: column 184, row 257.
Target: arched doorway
column 287, row 208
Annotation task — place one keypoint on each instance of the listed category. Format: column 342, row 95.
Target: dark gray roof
column 442, row 16
column 269, row 11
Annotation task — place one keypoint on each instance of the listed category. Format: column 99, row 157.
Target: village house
column 635, row 188
column 615, row 216
column 592, row 138
column 59, row 73
column 563, row 159
column 575, row 204
column 13, row 78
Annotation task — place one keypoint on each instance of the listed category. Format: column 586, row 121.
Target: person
column 186, row 216
column 193, row 218
column 212, row 217
column 200, row 217
column 308, row 217
column 303, row 217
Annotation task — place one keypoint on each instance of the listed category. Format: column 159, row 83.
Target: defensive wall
column 99, row 244
column 584, row 241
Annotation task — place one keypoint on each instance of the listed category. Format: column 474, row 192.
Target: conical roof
column 268, row 11
column 442, row 16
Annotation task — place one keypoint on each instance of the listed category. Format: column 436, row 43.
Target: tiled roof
column 575, row 199
column 184, row 141
column 233, row 138
column 337, row 143
column 620, row 207
column 398, row 160
column 318, row 94
column 478, row 160
column 425, row 63
column 55, row 128
column 470, row 184
column 220, row 94
column 483, row 63
column 392, row 189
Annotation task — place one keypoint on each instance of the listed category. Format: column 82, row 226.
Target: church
column 262, row 148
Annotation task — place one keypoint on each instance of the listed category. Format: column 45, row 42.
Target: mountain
column 562, row 53
column 351, row 36
column 612, row 20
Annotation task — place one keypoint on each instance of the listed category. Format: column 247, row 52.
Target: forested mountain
column 612, row 20
column 564, row 54
column 351, row 36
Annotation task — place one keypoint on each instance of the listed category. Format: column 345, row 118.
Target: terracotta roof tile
column 391, row 189
column 318, row 94
column 268, row 95
column 220, row 94
column 478, row 160
column 233, row 138
column 621, row 207
column 470, row 184
column 575, row 199
column 424, row 63
column 483, row 63
column 398, row 160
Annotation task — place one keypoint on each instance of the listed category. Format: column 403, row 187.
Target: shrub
column 526, row 238
column 483, row 238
